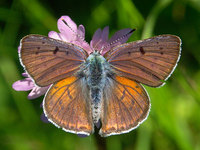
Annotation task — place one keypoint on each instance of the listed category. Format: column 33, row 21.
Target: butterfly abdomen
column 96, row 103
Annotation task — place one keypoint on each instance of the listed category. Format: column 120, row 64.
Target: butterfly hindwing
column 67, row 105
column 48, row 60
column 149, row 61
column 125, row 105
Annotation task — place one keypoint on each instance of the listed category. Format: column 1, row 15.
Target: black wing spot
column 43, row 42
column 38, row 47
column 129, row 53
column 67, row 52
column 161, row 48
column 142, row 50
column 157, row 42
column 161, row 53
column 56, row 50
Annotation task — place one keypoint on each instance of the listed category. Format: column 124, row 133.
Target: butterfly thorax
column 95, row 74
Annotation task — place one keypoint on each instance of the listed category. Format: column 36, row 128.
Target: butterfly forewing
column 148, row 61
column 67, row 105
column 125, row 105
column 48, row 60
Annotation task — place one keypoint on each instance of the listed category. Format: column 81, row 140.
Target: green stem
column 100, row 141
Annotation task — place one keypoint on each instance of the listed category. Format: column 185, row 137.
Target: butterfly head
column 95, row 56
column 95, row 52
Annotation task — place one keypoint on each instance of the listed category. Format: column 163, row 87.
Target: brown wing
column 125, row 105
column 66, row 105
column 48, row 60
column 149, row 61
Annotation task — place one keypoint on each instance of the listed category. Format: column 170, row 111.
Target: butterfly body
column 95, row 72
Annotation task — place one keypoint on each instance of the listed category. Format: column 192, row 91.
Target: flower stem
column 100, row 141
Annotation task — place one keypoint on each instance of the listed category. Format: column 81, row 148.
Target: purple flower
column 101, row 42
column 27, row 84
column 69, row 32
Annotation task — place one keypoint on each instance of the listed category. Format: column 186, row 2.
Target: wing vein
column 130, row 93
column 50, row 56
column 122, row 70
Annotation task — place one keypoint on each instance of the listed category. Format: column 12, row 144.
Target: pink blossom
column 70, row 33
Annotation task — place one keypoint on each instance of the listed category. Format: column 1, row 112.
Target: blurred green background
column 174, row 120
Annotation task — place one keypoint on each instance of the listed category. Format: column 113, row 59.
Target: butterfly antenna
column 82, row 38
column 117, row 40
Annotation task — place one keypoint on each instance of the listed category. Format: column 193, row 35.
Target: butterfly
column 90, row 88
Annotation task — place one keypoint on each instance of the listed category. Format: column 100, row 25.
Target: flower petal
column 37, row 92
column 67, row 31
column 86, row 47
column 44, row 118
column 83, row 45
column 23, row 85
column 19, row 49
column 82, row 135
column 100, row 39
column 80, row 41
column 54, row 35
column 118, row 36
column 96, row 38
column 25, row 74
column 104, row 34
column 81, row 31
column 70, row 33
column 103, row 44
